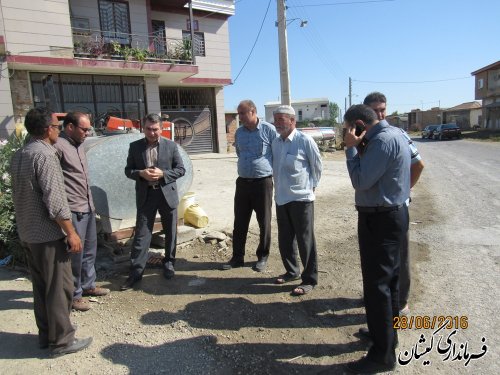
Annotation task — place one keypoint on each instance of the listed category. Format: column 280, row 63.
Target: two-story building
column 315, row 109
column 124, row 58
column 487, row 88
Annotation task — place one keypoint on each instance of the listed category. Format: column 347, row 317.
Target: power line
column 256, row 39
column 344, row 3
column 405, row 82
column 316, row 42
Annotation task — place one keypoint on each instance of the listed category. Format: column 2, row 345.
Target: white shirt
column 296, row 168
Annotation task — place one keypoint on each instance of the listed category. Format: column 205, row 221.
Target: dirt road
column 207, row 321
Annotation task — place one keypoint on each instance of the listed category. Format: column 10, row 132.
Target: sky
column 419, row 53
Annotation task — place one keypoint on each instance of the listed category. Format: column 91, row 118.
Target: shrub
column 9, row 240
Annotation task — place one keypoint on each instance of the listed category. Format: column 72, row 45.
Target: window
column 199, row 42
column 99, row 95
column 115, row 21
column 480, row 83
column 159, row 37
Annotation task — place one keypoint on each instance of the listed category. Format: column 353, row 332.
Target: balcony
column 110, row 45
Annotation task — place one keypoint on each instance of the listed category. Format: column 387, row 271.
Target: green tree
column 334, row 112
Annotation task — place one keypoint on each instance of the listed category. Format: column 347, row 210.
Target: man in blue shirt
column 377, row 101
column 297, row 170
column 254, row 186
column 381, row 179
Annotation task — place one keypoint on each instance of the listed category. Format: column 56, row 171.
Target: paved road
column 458, row 241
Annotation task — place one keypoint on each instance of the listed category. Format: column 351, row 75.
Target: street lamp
column 303, row 23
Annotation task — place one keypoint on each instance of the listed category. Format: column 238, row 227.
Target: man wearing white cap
column 297, row 170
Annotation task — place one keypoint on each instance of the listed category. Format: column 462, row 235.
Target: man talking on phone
column 381, row 179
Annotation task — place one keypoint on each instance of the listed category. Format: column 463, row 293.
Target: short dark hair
column 375, row 97
column 153, row 118
column 73, row 118
column 361, row 112
column 37, row 120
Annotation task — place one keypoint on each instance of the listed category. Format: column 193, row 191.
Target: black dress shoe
column 261, row 264
column 168, row 270
column 364, row 331
column 233, row 263
column 75, row 346
column 367, row 366
column 129, row 283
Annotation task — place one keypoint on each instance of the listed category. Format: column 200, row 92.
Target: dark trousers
column 404, row 272
column 155, row 202
column 52, row 280
column 296, row 221
column 380, row 237
column 83, row 263
column 252, row 195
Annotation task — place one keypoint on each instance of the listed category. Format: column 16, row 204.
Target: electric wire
column 410, row 82
column 343, row 3
column 254, row 44
column 319, row 47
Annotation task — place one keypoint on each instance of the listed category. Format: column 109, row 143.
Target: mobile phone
column 359, row 129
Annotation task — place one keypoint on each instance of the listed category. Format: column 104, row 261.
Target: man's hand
column 151, row 174
column 350, row 137
column 74, row 243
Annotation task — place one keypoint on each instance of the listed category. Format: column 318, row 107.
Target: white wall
column 152, row 95
column 41, row 27
column 216, row 63
column 221, row 120
column 7, row 122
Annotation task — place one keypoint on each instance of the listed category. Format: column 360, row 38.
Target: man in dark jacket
column 155, row 164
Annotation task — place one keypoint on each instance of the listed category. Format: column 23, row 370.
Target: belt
column 378, row 209
column 154, row 187
column 253, row 179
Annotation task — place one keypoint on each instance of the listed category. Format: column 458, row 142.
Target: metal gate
column 192, row 129
column 191, row 111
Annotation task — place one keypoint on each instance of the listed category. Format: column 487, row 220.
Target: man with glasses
column 43, row 219
column 155, row 164
column 76, row 180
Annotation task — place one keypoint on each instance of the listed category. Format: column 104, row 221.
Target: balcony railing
column 112, row 45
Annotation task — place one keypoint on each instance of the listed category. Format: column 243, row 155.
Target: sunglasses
column 86, row 130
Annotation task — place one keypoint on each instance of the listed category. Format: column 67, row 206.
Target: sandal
column 285, row 278
column 302, row 290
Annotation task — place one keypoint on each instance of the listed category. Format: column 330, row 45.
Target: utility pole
column 350, row 91
column 283, row 52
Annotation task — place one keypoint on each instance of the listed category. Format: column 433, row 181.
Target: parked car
column 447, row 131
column 428, row 130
